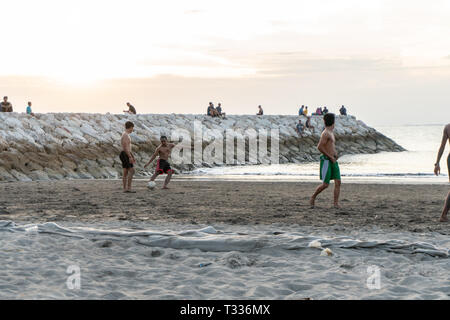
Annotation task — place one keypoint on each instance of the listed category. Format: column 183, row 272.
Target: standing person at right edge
column 437, row 169
column 127, row 157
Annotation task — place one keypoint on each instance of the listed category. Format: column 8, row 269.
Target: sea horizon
column 413, row 166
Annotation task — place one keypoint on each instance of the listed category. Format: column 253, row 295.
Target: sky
column 387, row 61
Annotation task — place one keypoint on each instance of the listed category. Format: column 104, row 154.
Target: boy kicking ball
column 329, row 168
column 162, row 165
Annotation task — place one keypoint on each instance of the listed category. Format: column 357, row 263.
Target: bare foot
column 312, row 202
column 130, row 191
column 337, row 206
column 443, row 219
column 165, row 187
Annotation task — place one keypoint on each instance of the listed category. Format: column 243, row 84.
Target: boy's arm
column 152, row 158
column 437, row 168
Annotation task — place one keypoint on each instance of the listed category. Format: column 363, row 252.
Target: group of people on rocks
column 6, row 106
column 300, row 127
column 215, row 111
column 303, row 111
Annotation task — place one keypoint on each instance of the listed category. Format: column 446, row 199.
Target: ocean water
column 412, row 166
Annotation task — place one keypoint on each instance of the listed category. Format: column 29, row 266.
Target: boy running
column 162, row 164
column 329, row 168
column 127, row 157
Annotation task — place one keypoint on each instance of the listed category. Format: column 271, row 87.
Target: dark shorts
column 163, row 166
column 126, row 164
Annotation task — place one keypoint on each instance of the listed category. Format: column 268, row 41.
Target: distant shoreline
column 268, row 179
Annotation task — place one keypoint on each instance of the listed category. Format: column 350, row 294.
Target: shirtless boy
column 127, row 157
column 162, row 164
column 329, row 168
column 437, row 169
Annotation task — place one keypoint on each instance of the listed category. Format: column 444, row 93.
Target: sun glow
column 83, row 42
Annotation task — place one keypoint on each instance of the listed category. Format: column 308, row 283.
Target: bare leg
column 319, row 189
column 130, row 177
column 446, row 208
column 154, row 176
column 125, row 178
column 166, row 182
column 337, row 191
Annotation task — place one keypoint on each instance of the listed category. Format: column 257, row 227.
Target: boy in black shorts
column 127, row 157
column 162, row 165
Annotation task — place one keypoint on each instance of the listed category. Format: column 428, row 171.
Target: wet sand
column 414, row 208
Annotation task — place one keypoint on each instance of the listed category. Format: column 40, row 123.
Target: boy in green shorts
column 329, row 168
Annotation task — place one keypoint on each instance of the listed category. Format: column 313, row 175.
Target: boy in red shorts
column 162, row 164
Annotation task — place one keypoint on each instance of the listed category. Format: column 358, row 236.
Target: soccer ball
column 151, row 185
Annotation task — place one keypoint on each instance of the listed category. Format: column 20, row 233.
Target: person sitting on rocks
column 300, row 127
column 300, row 111
column 209, row 111
column 318, row 112
column 212, row 112
column 29, row 111
column 308, row 124
column 343, row 111
column 131, row 109
column 260, row 112
column 325, row 110
column 219, row 110
column 305, row 112
column 6, row 106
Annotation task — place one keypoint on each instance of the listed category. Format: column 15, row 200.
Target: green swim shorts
column 329, row 170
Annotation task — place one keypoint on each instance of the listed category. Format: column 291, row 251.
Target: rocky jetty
column 86, row 146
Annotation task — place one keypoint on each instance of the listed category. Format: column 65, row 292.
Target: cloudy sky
column 387, row 61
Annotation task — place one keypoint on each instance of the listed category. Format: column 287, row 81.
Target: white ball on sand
column 326, row 252
column 151, row 185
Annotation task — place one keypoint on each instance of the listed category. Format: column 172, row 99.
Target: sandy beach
column 221, row 240
column 251, row 109
column 414, row 208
